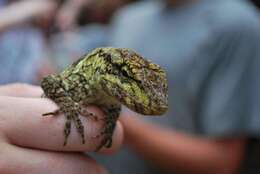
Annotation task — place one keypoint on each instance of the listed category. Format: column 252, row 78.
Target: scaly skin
column 107, row 77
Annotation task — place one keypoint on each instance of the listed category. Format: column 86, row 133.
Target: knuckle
column 21, row 88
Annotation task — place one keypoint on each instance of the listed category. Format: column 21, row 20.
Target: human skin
column 66, row 17
column 171, row 151
column 30, row 143
column 67, row 14
column 24, row 11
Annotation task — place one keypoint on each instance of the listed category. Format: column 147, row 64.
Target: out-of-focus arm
column 67, row 15
column 20, row 12
column 173, row 151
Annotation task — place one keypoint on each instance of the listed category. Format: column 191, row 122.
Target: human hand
column 30, row 143
column 66, row 18
column 23, row 11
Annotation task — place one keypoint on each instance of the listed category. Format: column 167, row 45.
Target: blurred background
column 209, row 48
column 41, row 37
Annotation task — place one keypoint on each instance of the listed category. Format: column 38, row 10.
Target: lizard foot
column 111, row 116
column 54, row 113
column 70, row 116
column 84, row 112
column 73, row 116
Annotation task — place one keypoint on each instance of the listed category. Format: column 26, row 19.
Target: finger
column 20, row 90
column 25, row 126
column 15, row 159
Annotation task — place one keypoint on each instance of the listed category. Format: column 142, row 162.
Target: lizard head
column 136, row 82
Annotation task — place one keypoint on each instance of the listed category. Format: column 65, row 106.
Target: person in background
column 22, row 44
column 92, row 11
column 83, row 25
column 210, row 50
column 256, row 3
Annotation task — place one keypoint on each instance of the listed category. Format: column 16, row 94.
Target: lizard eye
column 125, row 73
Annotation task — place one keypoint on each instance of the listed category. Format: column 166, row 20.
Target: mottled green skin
column 107, row 78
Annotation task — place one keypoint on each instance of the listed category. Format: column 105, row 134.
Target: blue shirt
column 21, row 50
column 211, row 52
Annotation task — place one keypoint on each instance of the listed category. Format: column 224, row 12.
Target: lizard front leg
column 71, row 111
column 111, row 115
column 53, row 90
